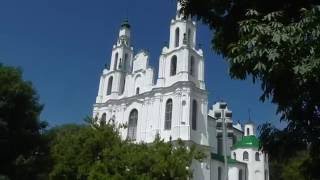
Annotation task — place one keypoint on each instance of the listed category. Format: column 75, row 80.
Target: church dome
column 248, row 142
column 126, row 24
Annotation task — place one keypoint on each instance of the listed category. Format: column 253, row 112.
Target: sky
column 63, row 45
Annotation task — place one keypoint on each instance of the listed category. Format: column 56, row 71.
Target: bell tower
column 122, row 51
column 113, row 79
column 249, row 129
column 180, row 60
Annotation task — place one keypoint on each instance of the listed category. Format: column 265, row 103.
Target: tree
column 275, row 43
column 286, row 58
column 291, row 169
column 98, row 152
column 294, row 168
column 223, row 16
column 22, row 146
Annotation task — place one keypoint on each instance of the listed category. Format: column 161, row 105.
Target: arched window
column 192, row 66
column 137, row 91
column 168, row 115
column 248, row 131
column 240, row 174
column 177, row 38
column 219, row 173
column 115, row 61
column 109, row 85
column 132, row 125
column 245, row 156
column 257, row 156
column 103, row 119
column 173, row 67
column 234, row 155
column 194, row 114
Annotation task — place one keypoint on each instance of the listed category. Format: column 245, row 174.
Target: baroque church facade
column 175, row 105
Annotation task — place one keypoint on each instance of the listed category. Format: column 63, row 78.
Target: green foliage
column 223, row 16
column 291, row 169
column 286, row 59
column 276, row 43
column 97, row 152
column 22, row 146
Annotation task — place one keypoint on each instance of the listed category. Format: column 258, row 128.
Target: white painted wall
column 255, row 168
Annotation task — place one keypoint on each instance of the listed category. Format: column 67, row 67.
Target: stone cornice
column 153, row 93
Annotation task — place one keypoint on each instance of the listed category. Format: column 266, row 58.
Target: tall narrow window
column 123, row 85
column 234, row 155
column 189, row 37
column 173, row 67
column 120, row 64
column 177, row 38
column 103, row 119
column 192, row 66
column 125, row 63
column 168, row 115
column 194, row 114
column 245, row 156
column 132, row 125
column 257, row 156
column 248, row 131
column 219, row 173
column 240, row 174
column 109, row 85
column 115, row 61
column 137, row 91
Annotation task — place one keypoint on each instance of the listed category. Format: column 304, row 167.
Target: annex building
column 175, row 105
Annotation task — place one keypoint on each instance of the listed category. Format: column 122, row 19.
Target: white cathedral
column 175, row 106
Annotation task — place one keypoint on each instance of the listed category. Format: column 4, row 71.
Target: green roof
column 220, row 158
column 248, row 142
column 126, row 24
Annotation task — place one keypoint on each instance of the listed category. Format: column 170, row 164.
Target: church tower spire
column 181, row 61
column 112, row 82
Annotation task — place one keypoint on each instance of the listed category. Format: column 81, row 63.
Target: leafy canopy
column 98, row 152
column 22, row 146
column 286, row 59
column 276, row 43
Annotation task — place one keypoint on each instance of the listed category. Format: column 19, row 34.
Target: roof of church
column 220, row 158
column 126, row 24
column 248, row 142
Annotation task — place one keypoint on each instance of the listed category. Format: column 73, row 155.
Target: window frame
column 168, row 115
column 109, row 87
column 257, row 156
column 173, row 65
column 194, row 116
column 245, row 156
column 177, row 37
column 132, row 125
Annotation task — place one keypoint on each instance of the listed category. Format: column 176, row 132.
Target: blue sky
column 62, row 46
